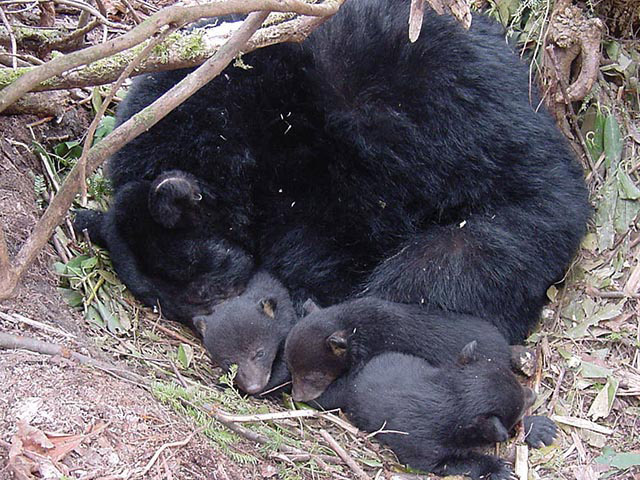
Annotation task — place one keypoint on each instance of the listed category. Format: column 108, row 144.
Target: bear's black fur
column 332, row 341
column 441, row 414
column 162, row 249
column 249, row 331
column 417, row 172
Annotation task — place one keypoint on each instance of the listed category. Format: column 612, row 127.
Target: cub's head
column 490, row 399
column 249, row 331
column 316, row 351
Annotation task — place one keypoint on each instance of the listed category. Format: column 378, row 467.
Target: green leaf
column 594, row 135
column 72, row 297
column 107, row 124
column 112, row 323
column 625, row 215
column 625, row 460
column 605, row 214
column 89, row 263
column 612, row 142
column 185, row 355
column 92, row 316
column 621, row 461
column 606, row 313
column 109, row 277
column 626, row 188
column 96, row 99
column 552, row 293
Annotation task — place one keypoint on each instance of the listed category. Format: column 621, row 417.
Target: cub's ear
column 200, row 324
column 268, row 307
column 338, row 342
column 468, row 354
column 309, row 307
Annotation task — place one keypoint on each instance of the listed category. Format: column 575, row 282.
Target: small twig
column 556, row 390
column 522, row 464
column 134, row 14
column 335, row 446
column 17, row 318
column 264, row 417
column 267, row 392
column 156, row 455
column 5, row 263
column 89, row 9
column 12, row 38
column 176, row 335
column 178, row 375
column 599, row 293
column 253, row 436
column 74, row 36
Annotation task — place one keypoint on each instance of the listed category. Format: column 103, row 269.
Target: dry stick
column 257, row 437
column 344, row 455
column 126, row 132
column 74, row 36
column 176, row 335
column 5, row 263
column 82, row 6
column 156, row 455
column 174, row 14
column 264, row 417
column 134, row 14
column 12, row 38
column 10, row 342
column 105, row 104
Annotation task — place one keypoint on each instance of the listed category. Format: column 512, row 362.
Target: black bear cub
column 249, row 331
column 161, row 244
column 329, row 342
column 435, row 416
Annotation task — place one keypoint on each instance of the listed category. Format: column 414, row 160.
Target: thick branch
column 180, row 50
column 167, row 16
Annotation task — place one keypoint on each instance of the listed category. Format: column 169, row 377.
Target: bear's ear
column 200, row 323
column 268, row 307
column 468, row 354
column 493, row 430
column 170, row 195
column 309, row 307
column 337, row 341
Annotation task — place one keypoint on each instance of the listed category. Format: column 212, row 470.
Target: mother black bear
column 355, row 162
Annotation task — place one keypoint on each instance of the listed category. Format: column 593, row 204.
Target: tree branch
column 167, row 16
column 180, row 50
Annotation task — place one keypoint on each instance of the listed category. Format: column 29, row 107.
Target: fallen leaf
column 601, row 406
column 581, row 423
column 34, row 451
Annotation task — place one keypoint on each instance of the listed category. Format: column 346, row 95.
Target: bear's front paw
column 539, row 431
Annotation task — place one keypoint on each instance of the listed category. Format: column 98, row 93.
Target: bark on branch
column 168, row 16
column 180, row 50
